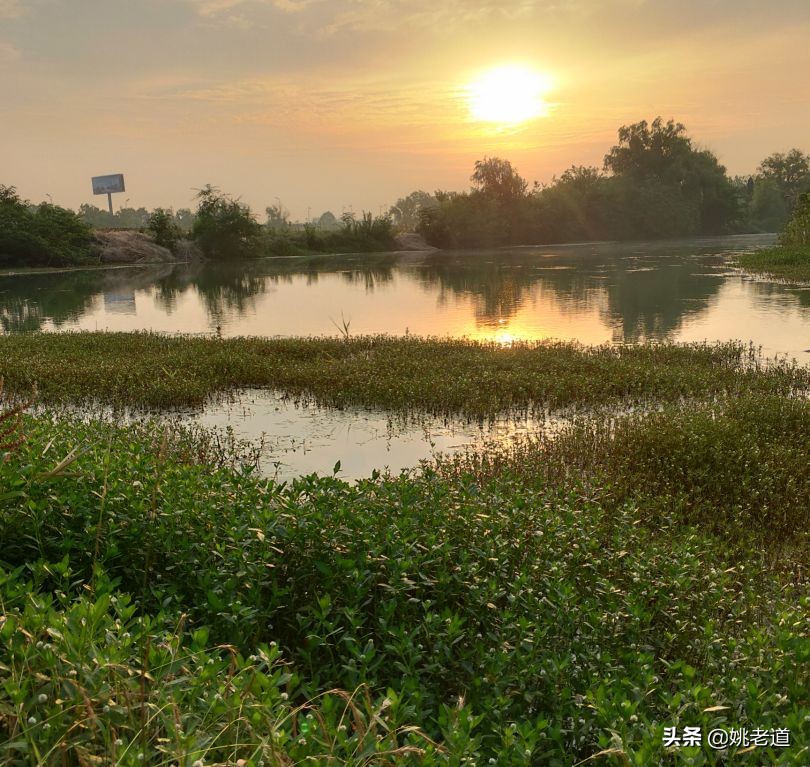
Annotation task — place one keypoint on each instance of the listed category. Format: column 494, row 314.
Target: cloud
column 385, row 14
column 10, row 9
column 213, row 8
column 8, row 53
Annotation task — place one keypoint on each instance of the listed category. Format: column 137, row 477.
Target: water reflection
column 299, row 437
column 638, row 296
column 28, row 301
column 594, row 293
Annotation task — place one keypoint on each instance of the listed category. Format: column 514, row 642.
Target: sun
column 508, row 95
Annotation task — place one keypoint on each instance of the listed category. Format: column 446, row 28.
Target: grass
column 544, row 604
column 791, row 263
column 450, row 376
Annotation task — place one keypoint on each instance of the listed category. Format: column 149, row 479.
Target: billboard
column 108, row 184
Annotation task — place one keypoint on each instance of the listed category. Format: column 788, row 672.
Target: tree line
column 654, row 183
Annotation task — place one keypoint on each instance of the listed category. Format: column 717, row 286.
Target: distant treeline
column 653, row 184
column 222, row 227
column 131, row 218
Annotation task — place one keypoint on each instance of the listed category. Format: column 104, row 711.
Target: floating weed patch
column 449, row 376
column 791, row 263
column 523, row 622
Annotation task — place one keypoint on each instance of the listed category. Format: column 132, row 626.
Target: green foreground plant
column 523, row 617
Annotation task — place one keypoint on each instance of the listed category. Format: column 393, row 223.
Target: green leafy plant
column 224, row 227
column 41, row 235
column 164, row 228
column 797, row 231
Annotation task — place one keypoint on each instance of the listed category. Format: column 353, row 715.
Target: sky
column 351, row 104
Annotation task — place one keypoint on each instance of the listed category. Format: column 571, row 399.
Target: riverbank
column 790, row 263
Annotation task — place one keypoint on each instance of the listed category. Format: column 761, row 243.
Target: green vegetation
column 770, row 197
column 164, row 228
column 791, row 260
column 539, row 606
column 369, row 234
column 797, row 231
column 654, row 183
column 787, row 263
column 131, row 218
column 450, row 376
column 224, row 227
column 41, row 235
column 407, row 211
column 734, row 467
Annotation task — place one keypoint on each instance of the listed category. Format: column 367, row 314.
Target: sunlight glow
column 508, row 95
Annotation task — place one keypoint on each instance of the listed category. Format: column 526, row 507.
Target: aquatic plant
column 542, row 621
column 457, row 376
column 786, row 262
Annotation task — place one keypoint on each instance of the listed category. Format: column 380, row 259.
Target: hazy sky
column 331, row 103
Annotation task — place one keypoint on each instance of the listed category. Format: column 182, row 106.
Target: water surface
column 297, row 436
column 595, row 293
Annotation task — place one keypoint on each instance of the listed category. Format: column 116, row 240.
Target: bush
column 797, row 232
column 225, row 228
column 44, row 235
column 164, row 228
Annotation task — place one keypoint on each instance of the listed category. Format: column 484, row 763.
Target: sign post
column 109, row 185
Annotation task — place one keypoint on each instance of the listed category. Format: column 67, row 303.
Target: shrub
column 797, row 232
column 43, row 235
column 164, row 228
column 224, row 227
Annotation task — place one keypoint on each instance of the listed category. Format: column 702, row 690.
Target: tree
column 576, row 206
column 224, row 227
column 277, row 216
column 184, row 218
column 797, row 232
column 96, row 217
column 406, row 211
column 164, row 228
column 496, row 178
column 662, row 154
column 789, row 171
column 41, row 235
column 646, row 150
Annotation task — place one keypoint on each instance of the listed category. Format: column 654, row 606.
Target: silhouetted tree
column 224, row 227
column 790, row 172
column 497, row 178
column 406, row 211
